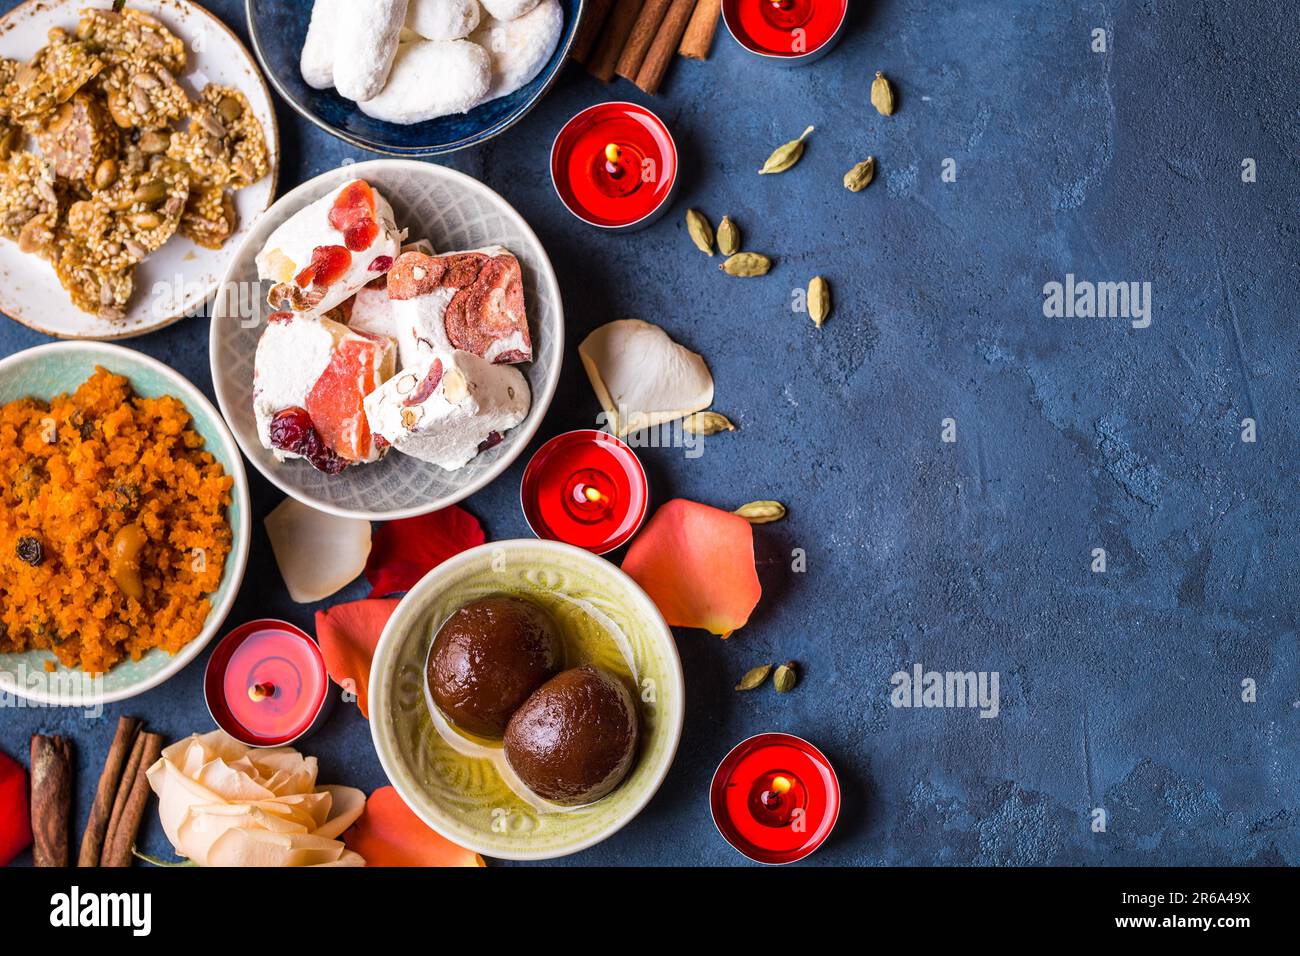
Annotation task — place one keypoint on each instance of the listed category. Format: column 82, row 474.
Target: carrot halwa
column 113, row 529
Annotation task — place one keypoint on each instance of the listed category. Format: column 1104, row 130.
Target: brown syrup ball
column 574, row 739
column 488, row 657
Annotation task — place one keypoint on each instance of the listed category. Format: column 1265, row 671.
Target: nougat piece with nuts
column 93, row 288
column 78, row 137
column 131, row 33
column 143, row 94
column 209, row 218
column 53, row 76
column 224, row 144
column 121, row 225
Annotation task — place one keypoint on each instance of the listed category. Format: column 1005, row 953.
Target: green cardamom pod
column 882, row 95
column 747, row 265
column 819, row 300
column 761, row 512
column 859, row 177
column 785, row 156
column 728, row 237
column 786, row 676
column 708, row 423
column 700, row 230
column 755, row 677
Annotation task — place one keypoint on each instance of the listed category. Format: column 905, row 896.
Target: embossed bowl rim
column 426, row 592
column 375, row 169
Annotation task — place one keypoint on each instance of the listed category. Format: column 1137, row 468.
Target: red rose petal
column 347, row 634
column 15, row 816
column 402, row 552
column 697, row 565
column 389, row 834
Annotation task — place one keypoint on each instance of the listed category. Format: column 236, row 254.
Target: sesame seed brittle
column 113, row 178
column 223, row 144
column 129, row 34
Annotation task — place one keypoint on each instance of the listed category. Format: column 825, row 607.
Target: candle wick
column 261, row 691
column 614, row 160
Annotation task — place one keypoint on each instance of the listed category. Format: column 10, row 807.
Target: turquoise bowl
column 49, row 370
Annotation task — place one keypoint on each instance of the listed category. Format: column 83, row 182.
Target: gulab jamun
column 488, row 657
column 574, row 739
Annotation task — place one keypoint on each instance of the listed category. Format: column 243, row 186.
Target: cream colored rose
column 225, row 804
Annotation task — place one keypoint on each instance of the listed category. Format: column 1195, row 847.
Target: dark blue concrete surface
column 1119, row 690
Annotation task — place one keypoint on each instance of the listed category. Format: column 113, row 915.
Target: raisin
column 30, row 551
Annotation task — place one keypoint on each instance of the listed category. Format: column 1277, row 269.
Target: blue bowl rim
column 409, row 152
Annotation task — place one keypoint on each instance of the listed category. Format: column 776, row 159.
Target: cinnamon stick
column 664, row 46
column 92, row 841
column 118, row 853
column 604, row 59
column 123, row 792
column 593, row 21
column 642, row 35
column 699, row 32
column 51, row 799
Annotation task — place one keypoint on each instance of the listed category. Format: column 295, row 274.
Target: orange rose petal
column 697, row 565
column 389, row 834
column 347, row 634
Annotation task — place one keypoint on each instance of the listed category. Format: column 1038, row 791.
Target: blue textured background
column 1119, row 690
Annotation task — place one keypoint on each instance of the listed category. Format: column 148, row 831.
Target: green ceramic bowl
column 49, row 370
column 462, row 788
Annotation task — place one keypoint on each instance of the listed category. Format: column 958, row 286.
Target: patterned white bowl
column 453, row 211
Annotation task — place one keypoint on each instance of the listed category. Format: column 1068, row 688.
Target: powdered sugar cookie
column 442, row 19
column 367, row 36
column 509, row 9
column 521, row 47
column 432, row 78
column 317, row 63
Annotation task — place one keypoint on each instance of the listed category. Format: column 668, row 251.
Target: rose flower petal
column 347, row 634
column 697, row 565
column 406, row 550
column 390, row 834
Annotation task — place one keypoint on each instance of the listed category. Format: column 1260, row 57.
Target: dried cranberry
column 381, row 264
column 275, row 317
column 380, row 441
column 30, row 551
column 292, row 431
column 493, row 439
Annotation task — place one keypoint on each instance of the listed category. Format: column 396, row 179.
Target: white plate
column 453, row 211
column 177, row 280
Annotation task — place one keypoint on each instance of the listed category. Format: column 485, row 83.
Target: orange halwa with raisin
column 113, row 526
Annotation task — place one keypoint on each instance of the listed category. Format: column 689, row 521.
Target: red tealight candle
column 266, row 683
column 585, row 488
column 775, row 798
column 614, row 165
column 793, row 32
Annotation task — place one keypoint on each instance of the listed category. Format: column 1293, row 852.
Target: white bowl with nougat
column 387, row 340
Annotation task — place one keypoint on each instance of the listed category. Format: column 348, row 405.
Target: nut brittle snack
column 108, row 178
column 131, row 33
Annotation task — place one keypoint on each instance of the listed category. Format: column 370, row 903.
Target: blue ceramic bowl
column 48, row 370
column 278, row 29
